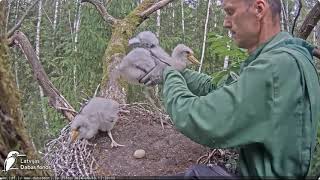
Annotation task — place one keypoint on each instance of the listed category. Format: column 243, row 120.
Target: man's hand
column 155, row 76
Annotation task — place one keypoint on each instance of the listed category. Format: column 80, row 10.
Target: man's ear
column 261, row 7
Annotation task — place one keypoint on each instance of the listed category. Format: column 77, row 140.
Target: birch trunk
column 158, row 23
column 173, row 15
column 282, row 16
column 182, row 20
column 43, row 107
column 16, row 66
column 226, row 58
column 8, row 15
column 205, row 35
column 55, row 21
column 76, row 31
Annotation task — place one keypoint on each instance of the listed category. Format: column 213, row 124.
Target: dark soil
column 168, row 152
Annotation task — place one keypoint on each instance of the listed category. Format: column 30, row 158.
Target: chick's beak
column 192, row 59
column 74, row 135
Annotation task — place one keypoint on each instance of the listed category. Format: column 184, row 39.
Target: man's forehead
column 231, row 3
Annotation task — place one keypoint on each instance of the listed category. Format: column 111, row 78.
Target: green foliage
column 221, row 47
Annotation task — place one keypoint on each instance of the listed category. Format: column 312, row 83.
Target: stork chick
column 98, row 114
column 184, row 53
column 149, row 41
column 136, row 64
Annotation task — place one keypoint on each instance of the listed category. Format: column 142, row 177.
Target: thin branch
column 296, row 18
column 56, row 100
column 102, row 10
column 17, row 26
column 45, row 12
column 108, row 2
column 154, row 8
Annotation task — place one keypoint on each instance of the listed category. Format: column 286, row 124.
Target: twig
column 102, row 10
column 17, row 26
column 66, row 109
column 296, row 18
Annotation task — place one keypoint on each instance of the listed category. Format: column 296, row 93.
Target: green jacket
column 271, row 111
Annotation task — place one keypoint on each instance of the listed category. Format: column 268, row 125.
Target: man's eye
column 229, row 12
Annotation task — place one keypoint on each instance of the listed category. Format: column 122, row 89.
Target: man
column 271, row 111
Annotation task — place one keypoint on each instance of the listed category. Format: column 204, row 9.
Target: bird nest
column 68, row 159
column 77, row 159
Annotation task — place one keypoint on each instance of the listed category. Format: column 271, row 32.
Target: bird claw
column 115, row 144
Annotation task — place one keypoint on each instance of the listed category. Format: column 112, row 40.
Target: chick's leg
column 113, row 142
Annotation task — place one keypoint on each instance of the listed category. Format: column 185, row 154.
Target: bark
column 112, row 86
column 205, row 35
column 13, row 135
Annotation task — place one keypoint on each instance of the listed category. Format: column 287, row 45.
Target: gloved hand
column 155, row 76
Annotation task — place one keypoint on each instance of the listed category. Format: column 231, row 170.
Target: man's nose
column 226, row 24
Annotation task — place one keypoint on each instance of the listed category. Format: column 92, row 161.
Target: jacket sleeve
column 199, row 84
column 233, row 115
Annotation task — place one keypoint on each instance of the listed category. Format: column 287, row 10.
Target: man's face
column 241, row 20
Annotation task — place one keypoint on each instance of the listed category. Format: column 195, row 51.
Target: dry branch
column 310, row 22
column 17, row 26
column 56, row 100
column 102, row 10
column 154, row 8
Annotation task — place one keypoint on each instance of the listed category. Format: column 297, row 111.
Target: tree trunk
column 55, row 21
column 205, row 35
column 16, row 66
column 158, row 23
column 112, row 86
column 43, row 106
column 182, row 20
column 13, row 135
column 173, row 15
column 76, row 31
